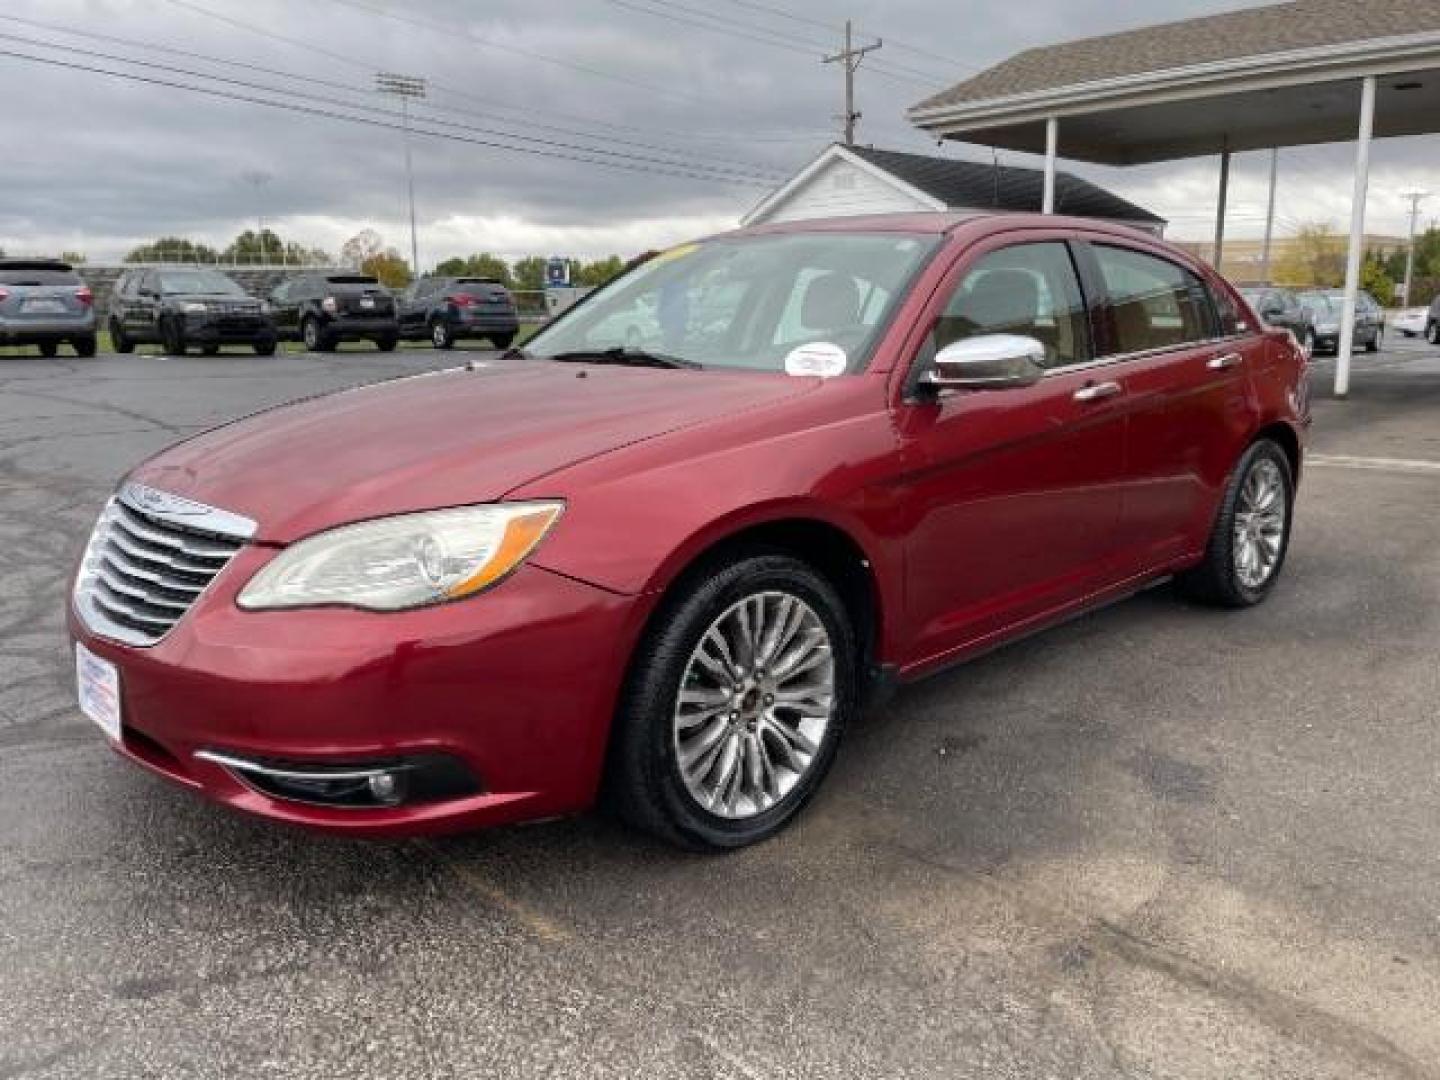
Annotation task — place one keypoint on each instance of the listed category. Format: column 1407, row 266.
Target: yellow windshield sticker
column 675, row 253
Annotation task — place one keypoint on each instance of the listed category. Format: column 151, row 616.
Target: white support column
column 1270, row 215
column 1052, row 147
column 1357, row 236
column 1220, row 209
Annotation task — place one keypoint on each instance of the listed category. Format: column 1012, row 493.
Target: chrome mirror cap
column 988, row 362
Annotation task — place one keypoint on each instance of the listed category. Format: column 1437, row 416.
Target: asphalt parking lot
column 1158, row 841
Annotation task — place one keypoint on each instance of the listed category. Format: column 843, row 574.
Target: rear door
column 1015, row 493
column 1186, row 390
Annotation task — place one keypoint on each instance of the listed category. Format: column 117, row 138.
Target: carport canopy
column 1294, row 74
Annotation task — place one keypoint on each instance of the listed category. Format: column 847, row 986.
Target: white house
column 848, row 180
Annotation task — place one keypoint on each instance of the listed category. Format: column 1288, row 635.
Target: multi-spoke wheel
column 1251, row 534
column 735, row 705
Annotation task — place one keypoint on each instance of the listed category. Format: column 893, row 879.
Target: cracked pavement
column 1156, row 842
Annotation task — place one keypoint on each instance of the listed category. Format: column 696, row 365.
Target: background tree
column 528, row 274
column 479, row 265
column 1376, row 280
column 1317, row 257
column 365, row 244
column 172, row 249
column 597, row 273
column 388, row 265
column 74, row 258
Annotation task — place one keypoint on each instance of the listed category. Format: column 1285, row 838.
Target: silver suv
column 43, row 302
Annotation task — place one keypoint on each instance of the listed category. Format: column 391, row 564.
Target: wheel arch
column 1284, row 435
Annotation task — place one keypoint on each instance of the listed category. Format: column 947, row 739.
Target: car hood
column 210, row 298
column 444, row 439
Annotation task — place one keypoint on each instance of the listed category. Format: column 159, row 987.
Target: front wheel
column 118, row 341
column 172, row 338
column 441, row 336
column 265, row 347
column 735, row 706
column 387, row 343
column 501, row 341
column 85, row 346
column 314, row 338
column 1251, row 535
column 1432, row 333
column 48, row 348
column 1373, row 345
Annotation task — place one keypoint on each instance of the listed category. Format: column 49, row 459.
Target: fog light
column 386, row 788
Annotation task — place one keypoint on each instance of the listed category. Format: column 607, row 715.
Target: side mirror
column 988, row 362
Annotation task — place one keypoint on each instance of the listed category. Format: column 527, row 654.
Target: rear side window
column 1028, row 289
column 1157, row 304
column 39, row 277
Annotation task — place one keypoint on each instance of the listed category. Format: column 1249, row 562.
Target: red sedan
column 669, row 548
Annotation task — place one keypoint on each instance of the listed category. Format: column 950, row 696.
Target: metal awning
column 1287, row 75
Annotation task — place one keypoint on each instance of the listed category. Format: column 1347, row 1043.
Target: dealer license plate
column 99, row 686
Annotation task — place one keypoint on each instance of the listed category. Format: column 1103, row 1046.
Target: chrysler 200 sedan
column 858, row 451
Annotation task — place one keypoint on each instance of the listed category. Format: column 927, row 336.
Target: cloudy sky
column 706, row 104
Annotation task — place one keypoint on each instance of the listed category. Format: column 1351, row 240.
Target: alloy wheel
column 1259, row 532
column 756, row 700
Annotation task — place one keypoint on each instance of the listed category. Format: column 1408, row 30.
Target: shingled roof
column 1278, row 28
column 976, row 185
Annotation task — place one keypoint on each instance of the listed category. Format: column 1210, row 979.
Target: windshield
column 39, row 277
column 197, row 282
column 1320, row 304
column 803, row 303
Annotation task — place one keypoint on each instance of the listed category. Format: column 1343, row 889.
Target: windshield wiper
column 621, row 354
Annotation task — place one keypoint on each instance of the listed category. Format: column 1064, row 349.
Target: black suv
column 183, row 306
column 323, row 310
column 445, row 309
column 1282, row 308
column 43, row 302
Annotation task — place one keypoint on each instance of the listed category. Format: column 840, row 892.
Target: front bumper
column 518, row 684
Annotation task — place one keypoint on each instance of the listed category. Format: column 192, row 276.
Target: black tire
column 1373, row 345
column 118, row 341
column 1432, row 333
column 387, row 343
column 1215, row 580
column 172, row 338
column 501, row 341
column 85, row 346
column 314, row 337
column 441, row 336
column 643, row 783
column 265, row 347
column 48, row 349
column 210, row 350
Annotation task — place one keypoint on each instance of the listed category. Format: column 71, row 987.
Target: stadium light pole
column 258, row 178
column 406, row 88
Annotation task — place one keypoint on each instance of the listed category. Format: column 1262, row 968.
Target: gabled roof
column 1278, row 28
column 976, row 185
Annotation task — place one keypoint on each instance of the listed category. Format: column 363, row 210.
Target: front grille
column 234, row 307
column 151, row 555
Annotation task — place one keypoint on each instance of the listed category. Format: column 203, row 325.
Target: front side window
column 750, row 302
column 1157, row 304
column 1029, row 289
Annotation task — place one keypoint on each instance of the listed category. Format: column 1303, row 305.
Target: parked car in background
column 180, row 307
column 448, row 309
column 1325, row 307
column 1411, row 322
column 885, row 445
column 1282, row 308
column 44, row 303
column 322, row 310
column 1432, row 322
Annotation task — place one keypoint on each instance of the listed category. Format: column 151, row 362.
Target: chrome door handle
column 1224, row 361
column 1098, row 391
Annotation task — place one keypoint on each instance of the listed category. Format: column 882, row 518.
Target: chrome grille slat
column 150, row 558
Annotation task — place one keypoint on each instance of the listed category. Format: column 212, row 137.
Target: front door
column 1016, row 492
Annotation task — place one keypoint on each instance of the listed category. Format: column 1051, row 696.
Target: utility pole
column 406, row 87
column 850, row 57
column 1415, row 197
column 1269, row 216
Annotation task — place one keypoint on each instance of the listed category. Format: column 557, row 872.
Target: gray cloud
column 100, row 164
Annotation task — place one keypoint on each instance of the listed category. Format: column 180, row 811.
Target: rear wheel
column 265, row 347
column 441, row 335
column 1251, row 536
column 387, row 343
column 501, row 341
column 210, row 350
column 48, row 348
column 313, row 337
column 735, row 706
column 85, row 346
column 1373, row 345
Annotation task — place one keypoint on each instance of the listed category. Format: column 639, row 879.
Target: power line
column 527, row 111
column 718, row 171
column 389, row 125
column 312, row 80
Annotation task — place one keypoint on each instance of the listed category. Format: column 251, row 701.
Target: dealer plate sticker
column 99, row 684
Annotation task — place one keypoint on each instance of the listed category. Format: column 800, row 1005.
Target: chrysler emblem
column 160, row 502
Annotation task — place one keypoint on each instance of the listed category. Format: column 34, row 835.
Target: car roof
column 939, row 222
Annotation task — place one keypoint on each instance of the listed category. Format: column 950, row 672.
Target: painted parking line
column 1379, row 464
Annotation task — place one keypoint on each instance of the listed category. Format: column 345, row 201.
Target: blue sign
column 557, row 272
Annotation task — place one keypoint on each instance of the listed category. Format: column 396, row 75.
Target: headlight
column 330, row 305
column 193, row 308
column 403, row 562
